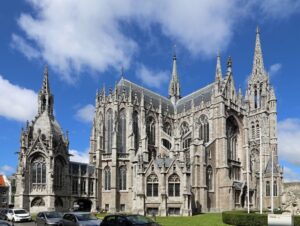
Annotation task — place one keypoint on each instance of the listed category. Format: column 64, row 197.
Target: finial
column 122, row 72
column 218, row 76
column 229, row 65
column 257, row 30
column 174, row 51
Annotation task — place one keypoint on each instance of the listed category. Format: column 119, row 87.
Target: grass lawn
column 208, row 219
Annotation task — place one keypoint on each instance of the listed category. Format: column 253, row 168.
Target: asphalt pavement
column 32, row 223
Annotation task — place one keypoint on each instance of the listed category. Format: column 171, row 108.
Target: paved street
column 23, row 223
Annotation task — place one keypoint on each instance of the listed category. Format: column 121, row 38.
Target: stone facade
column 152, row 154
column 187, row 155
column 46, row 179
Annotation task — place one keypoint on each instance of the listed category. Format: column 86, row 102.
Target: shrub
column 242, row 218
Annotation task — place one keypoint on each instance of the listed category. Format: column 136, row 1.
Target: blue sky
column 86, row 44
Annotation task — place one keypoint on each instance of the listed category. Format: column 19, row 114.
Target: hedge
column 242, row 218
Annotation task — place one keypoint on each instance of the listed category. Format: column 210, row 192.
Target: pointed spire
column 229, row 65
column 258, row 64
column 174, row 87
column 45, row 99
column 122, row 73
column 218, row 76
column 45, row 86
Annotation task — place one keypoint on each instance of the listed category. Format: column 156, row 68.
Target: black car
column 127, row 220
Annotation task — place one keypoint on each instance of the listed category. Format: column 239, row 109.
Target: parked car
column 48, row 218
column 4, row 223
column 18, row 215
column 79, row 219
column 3, row 214
column 127, row 220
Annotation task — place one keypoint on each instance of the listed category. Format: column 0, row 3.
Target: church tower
column 174, row 87
column 262, row 126
column 43, row 159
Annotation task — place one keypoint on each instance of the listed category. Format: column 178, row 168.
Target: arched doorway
column 84, row 205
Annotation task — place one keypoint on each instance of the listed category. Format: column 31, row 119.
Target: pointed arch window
column 122, row 178
column 58, row 175
column 152, row 185
column 203, row 128
column 184, row 128
column 253, row 130
column 167, row 128
column 174, row 185
column 209, row 178
column 231, row 134
column 122, row 132
column 38, row 171
column 107, row 178
column 257, row 130
column 275, row 188
column 109, row 130
column 268, row 188
column 135, row 129
column 150, row 129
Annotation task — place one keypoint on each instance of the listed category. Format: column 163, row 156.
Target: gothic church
column 152, row 154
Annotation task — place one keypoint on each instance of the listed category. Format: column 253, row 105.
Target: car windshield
column 138, row 219
column 86, row 217
column 20, row 211
column 53, row 215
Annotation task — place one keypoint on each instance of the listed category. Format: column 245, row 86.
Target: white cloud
column 290, row 175
column 78, row 156
column 73, row 36
column 274, row 69
column 16, row 102
column 289, row 140
column 151, row 78
column 20, row 44
column 86, row 113
column 6, row 169
column 278, row 9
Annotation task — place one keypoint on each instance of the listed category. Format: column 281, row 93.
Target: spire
column 45, row 97
column 218, row 68
column 174, row 87
column 229, row 65
column 258, row 64
column 45, row 86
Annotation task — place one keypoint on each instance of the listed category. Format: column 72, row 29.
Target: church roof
column 183, row 104
column 47, row 124
column 149, row 96
column 197, row 97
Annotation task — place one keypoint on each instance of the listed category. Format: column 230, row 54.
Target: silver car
column 80, row 219
column 48, row 218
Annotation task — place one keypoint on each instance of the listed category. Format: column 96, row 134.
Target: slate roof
column 198, row 96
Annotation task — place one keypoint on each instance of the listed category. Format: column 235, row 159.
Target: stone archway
column 84, row 205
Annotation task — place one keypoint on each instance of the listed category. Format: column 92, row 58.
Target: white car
column 17, row 215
